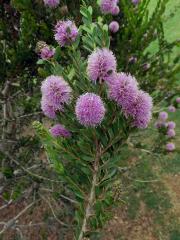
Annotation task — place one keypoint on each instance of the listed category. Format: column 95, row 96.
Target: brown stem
column 90, row 203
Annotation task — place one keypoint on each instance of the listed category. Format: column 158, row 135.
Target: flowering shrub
column 95, row 108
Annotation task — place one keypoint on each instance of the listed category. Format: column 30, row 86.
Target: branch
column 12, row 221
column 90, row 203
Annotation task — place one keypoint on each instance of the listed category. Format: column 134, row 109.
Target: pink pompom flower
column 49, row 109
column 170, row 147
column 59, row 130
column 143, row 108
column 52, row 3
column 178, row 100
column 115, row 11
column 47, row 52
column 90, row 110
column 123, row 89
column 101, row 64
column 114, row 26
column 171, row 109
column 108, row 6
column 163, row 116
column 66, row 32
column 171, row 133
column 56, row 90
column 171, row 125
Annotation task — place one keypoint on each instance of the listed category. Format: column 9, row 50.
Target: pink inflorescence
column 171, row 109
column 55, row 93
column 47, row 52
column 171, row 125
column 52, row 3
column 135, row 2
column 101, row 64
column 59, row 130
column 114, row 26
column 90, row 110
column 143, row 108
column 171, row 133
column 163, row 116
column 123, row 89
column 178, row 100
column 108, row 6
column 170, row 147
column 66, row 32
column 115, row 11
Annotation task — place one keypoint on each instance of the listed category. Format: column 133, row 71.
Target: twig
column 12, row 221
column 52, row 210
column 29, row 172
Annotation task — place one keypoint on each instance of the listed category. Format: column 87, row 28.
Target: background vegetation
column 147, row 197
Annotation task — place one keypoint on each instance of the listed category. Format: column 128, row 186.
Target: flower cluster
column 135, row 103
column 114, row 26
column 109, row 6
column 167, row 127
column 59, row 130
column 52, row 3
column 101, row 64
column 89, row 110
column 47, row 52
column 55, row 94
column 122, row 88
column 66, row 32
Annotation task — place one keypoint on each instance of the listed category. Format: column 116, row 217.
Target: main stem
column 91, row 198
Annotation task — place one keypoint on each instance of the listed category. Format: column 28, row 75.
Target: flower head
column 143, row 110
column 66, row 32
column 107, row 6
column 171, row 125
column 49, row 109
column 178, row 100
column 47, row 52
column 163, row 116
column 90, row 110
column 170, row 147
column 115, row 11
column 171, row 109
column 56, row 91
column 59, row 130
column 114, row 26
column 123, row 89
column 171, row 133
column 101, row 64
column 135, row 2
column 52, row 3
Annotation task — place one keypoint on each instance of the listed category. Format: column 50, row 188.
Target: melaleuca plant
column 94, row 108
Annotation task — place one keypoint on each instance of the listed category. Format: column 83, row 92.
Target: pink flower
column 47, row 52
column 90, row 110
column 114, row 26
column 66, row 32
column 170, row 147
column 163, row 116
column 143, row 108
column 178, row 100
column 171, row 125
column 171, row 133
column 59, row 130
column 115, row 11
column 101, row 64
column 108, row 6
column 56, row 90
column 52, row 3
column 123, row 89
column 171, row 109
